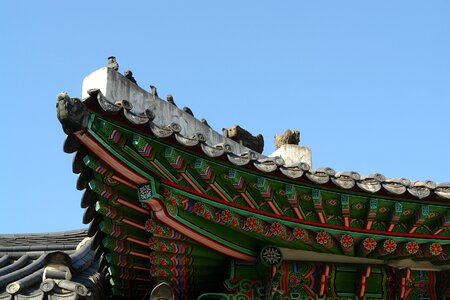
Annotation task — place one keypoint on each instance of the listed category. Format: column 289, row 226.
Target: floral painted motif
column 278, row 229
column 299, row 233
column 254, row 224
column 149, row 225
column 225, row 216
column 389, row 246
column 346, row 241
column 412, row 247
column 307, row 198
column 435, row 249
column 323, row 238
column 369, row 244
column 198, row 208
column 302, row 234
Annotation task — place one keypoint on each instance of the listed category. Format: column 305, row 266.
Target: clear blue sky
column 366, row 82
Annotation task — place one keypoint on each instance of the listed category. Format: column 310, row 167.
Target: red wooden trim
column 363, row 282
column 298, row 213
column 323, row 280
column 160, row 214
column 141, row 268
column 138, row 254
column 133, row 207
column 272, row 207
column 191, row 183
column 218, row 192
column 109, row 159
column 136, row 241
column 134, row 224
column 247, row 199
column 143, row 279
column 159, row 169
column 123, row 181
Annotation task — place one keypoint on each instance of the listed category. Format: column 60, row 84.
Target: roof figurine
column 203, row 121
column 245, row 138
column 154, row 91
column 290, row 137
column 129, row 75
column 112, row 63
column 169, row 99
column 188, row 111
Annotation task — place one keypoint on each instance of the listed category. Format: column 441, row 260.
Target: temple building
column 177, row 210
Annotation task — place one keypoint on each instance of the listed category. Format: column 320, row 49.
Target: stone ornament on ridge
column 291, row 137
column 129, row 75
column 112, row 63
column 245, row 138
column 71, row 113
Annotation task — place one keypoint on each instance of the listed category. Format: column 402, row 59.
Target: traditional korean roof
column 175, row 201
column 57, row 265
column 165, row 120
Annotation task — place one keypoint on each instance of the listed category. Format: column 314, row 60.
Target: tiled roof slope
column 59, row 265
column 165, row 120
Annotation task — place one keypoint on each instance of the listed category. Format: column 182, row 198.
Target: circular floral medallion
column 369, row 244
column 412, row 247
column 307, row 198
column 198, row 208
column 271, row 256
column 225, row 216
column 250, row 223
column 323, row 238
column 435, row 249
column 346, row 241
column 389, row 246
column 298, row 233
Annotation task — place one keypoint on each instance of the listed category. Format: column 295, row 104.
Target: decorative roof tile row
column 372, row 183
